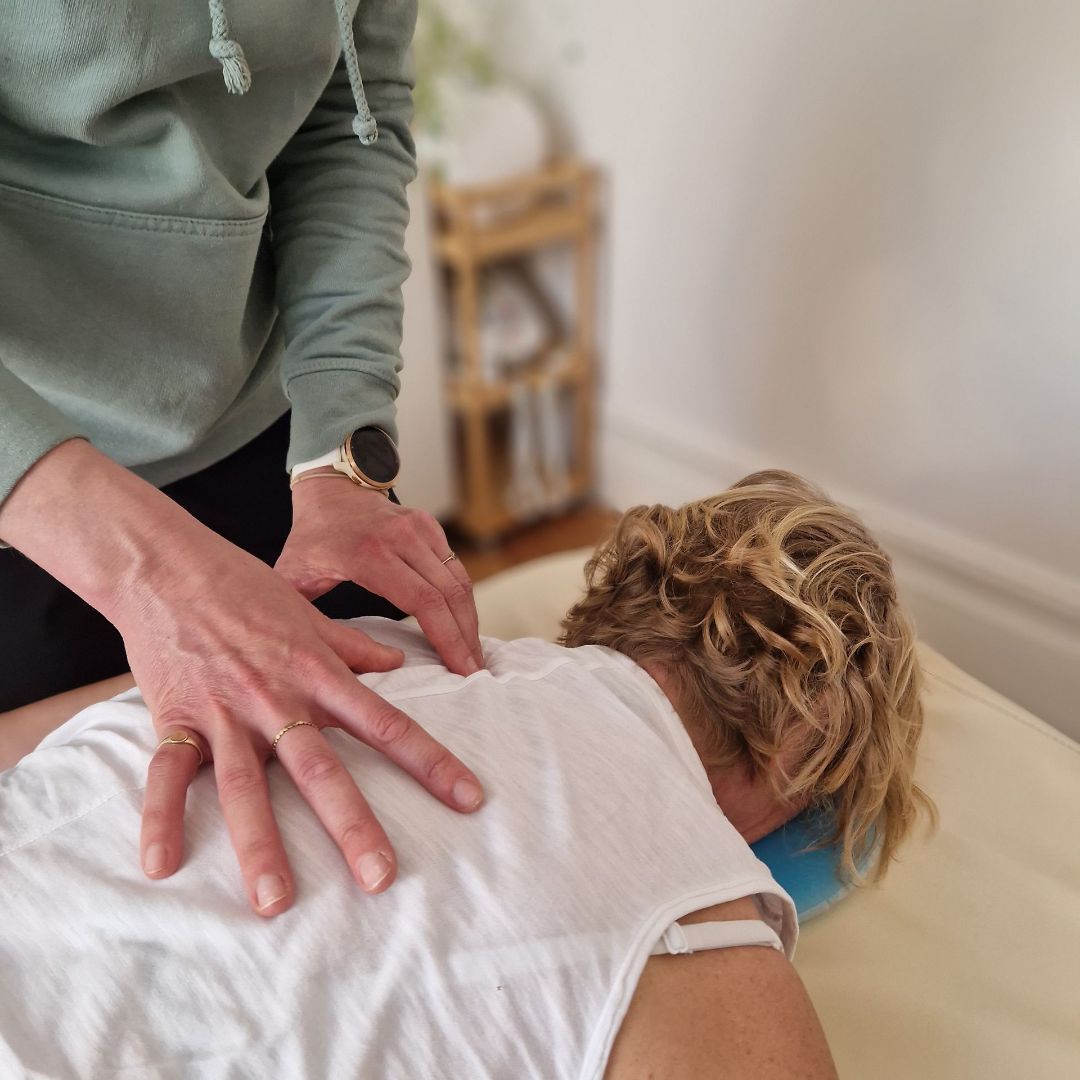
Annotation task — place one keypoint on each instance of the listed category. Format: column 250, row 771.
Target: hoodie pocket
column 144, row 328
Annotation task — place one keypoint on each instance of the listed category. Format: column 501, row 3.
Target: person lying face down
column 528, row 939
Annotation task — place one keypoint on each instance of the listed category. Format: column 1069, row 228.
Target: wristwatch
column 367, row 456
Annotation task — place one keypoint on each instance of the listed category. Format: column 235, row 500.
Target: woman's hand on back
column 343, row 532
column 225, row 648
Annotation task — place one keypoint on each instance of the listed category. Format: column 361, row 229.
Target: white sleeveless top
column 509, row 946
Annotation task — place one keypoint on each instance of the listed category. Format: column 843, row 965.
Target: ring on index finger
column 183, row 737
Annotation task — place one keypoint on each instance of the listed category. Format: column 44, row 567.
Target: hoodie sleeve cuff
column 29, row 428
column 327, row 405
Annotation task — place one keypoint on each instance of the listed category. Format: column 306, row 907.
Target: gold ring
column 450, row 558
column 182, row 738
column 287, row 728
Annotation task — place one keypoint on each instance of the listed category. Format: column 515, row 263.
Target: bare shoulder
column 721, row 1014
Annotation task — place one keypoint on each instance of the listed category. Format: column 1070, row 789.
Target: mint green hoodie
column 192, row 235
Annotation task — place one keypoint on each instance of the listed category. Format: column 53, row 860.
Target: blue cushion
column 810, row 877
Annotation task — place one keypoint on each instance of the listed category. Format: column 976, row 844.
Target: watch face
column 375, row 455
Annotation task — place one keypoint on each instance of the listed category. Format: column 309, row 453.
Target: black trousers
column 51, row 641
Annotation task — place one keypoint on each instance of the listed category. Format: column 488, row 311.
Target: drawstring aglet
column 365, row 129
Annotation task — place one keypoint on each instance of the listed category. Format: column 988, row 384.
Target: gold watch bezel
column 355, row 473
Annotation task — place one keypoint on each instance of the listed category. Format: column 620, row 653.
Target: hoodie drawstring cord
column 363, row 125
column 222, row 47
column 237, row 74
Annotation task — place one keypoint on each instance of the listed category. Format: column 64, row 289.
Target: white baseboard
column 1010, row 622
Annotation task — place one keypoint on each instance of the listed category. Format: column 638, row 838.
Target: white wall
column 845, row 238
column 424, row 435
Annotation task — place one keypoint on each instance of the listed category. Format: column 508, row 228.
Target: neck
column 749, row 801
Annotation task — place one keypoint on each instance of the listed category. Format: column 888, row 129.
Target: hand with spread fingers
column 222, row 689
column 342, row 532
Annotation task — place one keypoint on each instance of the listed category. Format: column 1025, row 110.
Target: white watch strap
column 315, row 463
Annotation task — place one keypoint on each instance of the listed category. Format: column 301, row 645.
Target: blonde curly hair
column 775, row 613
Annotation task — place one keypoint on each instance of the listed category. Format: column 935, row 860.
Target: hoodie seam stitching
column 111, row 217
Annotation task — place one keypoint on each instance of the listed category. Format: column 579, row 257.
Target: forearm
column 339, row 216
column 111, row 538
column 339, row 225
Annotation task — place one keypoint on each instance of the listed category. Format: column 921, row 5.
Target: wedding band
column 182, row 738
column 450, row 558
column 287, row 728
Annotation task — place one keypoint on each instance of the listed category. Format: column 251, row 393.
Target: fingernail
column 269, row 889
column 155, row 858
column 467, row 795
column 471, row 666
column 372, row 866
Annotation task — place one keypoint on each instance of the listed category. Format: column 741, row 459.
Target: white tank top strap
column 694, row 937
